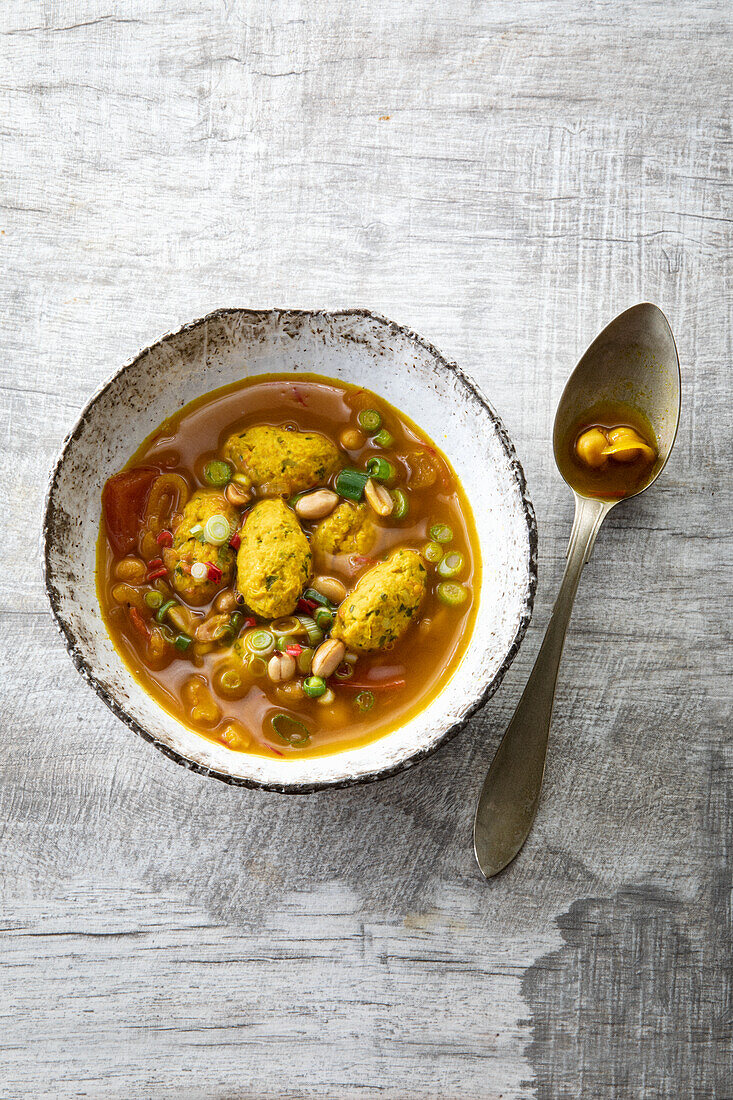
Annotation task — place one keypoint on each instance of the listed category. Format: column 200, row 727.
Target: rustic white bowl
column 358, row 347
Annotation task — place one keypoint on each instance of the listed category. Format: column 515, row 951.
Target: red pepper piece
column 124, row 499
column 362, row 559
column 235, row 542
column 155, row 563
column 139, row 623
column 307, row 607
column 294, row 650
column 214, row 572
column 155, row 573
column 165, row 538
column 248, row 624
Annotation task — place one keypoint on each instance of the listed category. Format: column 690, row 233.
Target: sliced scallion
column 451, row 594
column 317, row 597
column 364, row 700
column 314, row 632
column 314, row 687
column 380, row 469
column 433, row 552
column 369, row 420
column 256, row 666
column 218, row 473
column 162, row 611
column 440, row 532
column 290, row 730
column 231, row 680
column 350, row 483
column 284, row 641
column 260, row 642
column 401, row 504
column 235, row 622
column 305, row 659
column 154, row 600
column 384, row 439
column 217, row 530
column 323, row 618
column 451, row 564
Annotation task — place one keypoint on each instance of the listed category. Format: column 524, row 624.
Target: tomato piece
column 139, row 623
column 124, row 499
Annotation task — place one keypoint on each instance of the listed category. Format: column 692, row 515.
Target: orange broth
column 403, row 679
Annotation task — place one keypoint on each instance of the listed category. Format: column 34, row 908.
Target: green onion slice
column 256, row 666
column 162, row 611
column 451, row 564
column 344, row 671
column 260, row 642
column 284, row 641
column 154, row 600
column 433, row 552
column 452, row 594
column 440, row 532
column 384, row 439
column 364, row 700
column 217, row 530
column 317, row 597
column 235, row 622
column 218, row 473
column 380, row 469
column 314, row 687
column 286, row 625
column 323, row 618
column 401, row 504
column 314, row 632
column 290, row 730
column 304, row 660
column 231, row 680
column 350, row 483
column 168, row 634
column 369, row 420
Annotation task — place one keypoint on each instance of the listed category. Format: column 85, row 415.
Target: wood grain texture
column 503, row 178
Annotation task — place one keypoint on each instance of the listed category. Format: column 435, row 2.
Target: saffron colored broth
column 403, row 679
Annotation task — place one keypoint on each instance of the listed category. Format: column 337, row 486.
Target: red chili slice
column 165, row 538
column 235, row 542
column 155, row 573
column 248, row 624
column 124, row 498
column 155, row 563
column 139, row 623
column 214, row 572
column 307, row 607
column 294, row 650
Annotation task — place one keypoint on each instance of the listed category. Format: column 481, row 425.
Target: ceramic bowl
column 355, row 346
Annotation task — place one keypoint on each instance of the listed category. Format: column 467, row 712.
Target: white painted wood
column 503, row 178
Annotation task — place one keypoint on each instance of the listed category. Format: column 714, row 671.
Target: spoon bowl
column 632, row 363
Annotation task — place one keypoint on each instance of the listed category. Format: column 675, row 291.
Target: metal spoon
column 634, row 360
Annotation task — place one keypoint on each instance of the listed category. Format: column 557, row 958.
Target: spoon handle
column 511, row 790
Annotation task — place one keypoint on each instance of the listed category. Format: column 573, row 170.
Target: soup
column 609, row 452
column 289, row 566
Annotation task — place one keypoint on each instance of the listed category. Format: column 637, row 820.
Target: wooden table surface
column 504, row 178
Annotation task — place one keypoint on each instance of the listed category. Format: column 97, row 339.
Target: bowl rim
column 419, row 754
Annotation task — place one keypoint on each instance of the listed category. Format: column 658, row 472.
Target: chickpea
column 628, row 445
column 131, row 570
column 351, row 439
column 590, row 446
